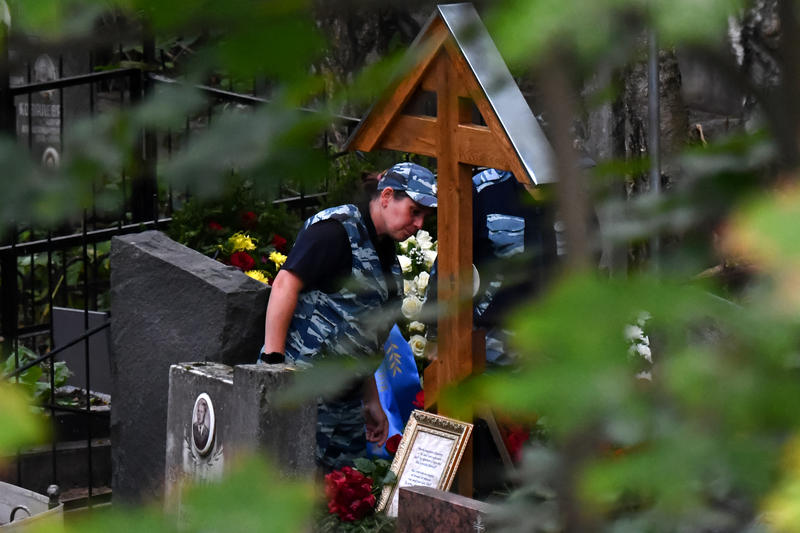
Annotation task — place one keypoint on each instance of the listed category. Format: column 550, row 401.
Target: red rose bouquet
column 349, row 494
column 352, row 494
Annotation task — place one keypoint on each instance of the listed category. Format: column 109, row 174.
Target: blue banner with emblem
column 398, row 384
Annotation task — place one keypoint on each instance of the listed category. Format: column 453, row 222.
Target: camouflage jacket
column 342, row 323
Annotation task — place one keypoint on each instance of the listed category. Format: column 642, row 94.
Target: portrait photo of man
column 202, row 423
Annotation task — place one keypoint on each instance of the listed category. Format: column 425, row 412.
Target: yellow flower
column 278, row 258
column 257, row 275
column 240, row 242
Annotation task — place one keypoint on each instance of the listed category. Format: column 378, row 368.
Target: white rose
column 416, row 327
column 407, row 244
column 430, row 257
column 411, row 307
column 405, row 263
column 424, row 240
column 409, row 286
column 476, row 281
column 417, row 344
column 422, row 281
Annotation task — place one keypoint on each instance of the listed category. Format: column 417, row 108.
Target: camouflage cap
column 418, row 182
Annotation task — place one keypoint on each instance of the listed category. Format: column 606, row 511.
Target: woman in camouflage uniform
column 341, row 272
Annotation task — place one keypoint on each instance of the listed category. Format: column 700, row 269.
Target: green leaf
column 62, row 373
column 363, row 465
column 31, row 376
column 74, row 273
column 41, row 392
column 390, row 478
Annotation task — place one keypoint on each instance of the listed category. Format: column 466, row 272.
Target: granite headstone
column 169, row 304
column 429, row 510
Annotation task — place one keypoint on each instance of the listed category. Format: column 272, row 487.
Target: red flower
column 249, row 219
column 215, row 226
column 279, row 242
column 393, row 442
column 349, row 494
column 334, row 483
column 514, row 437
column 242, row 261
column 419, row 400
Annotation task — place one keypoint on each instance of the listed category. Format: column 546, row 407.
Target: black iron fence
column 42, row 271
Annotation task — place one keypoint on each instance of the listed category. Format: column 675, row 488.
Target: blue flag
column 398, row 384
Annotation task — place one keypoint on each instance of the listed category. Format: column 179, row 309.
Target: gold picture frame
column 428, row 455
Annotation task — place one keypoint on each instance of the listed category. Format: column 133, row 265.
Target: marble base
column 428, row 510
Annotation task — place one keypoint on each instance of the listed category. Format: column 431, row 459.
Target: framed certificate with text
column 428, row 456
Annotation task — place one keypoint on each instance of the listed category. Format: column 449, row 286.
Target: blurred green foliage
column 20, row 426
column 699, row 442
column 603, row 30
column 251, row 498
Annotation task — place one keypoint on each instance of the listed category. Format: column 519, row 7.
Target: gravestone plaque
column 39, row 117
column 42, row 116
column 198, row 423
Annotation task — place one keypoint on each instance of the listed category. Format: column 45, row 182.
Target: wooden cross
column 441, row 66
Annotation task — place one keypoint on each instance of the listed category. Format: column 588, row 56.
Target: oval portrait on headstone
column 203, row 424
column 50, row 158
column 44, row 69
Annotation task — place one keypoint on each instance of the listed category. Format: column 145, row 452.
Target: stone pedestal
column 184, row 458
column 168, row 304
column 287, row 434
column 244, row 416
column 428, row 510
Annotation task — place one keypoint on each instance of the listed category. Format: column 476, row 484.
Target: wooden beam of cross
column 480, row 119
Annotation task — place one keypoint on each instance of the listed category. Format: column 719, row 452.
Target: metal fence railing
column 42, row 270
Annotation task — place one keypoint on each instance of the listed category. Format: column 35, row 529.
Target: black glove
column 273, row 358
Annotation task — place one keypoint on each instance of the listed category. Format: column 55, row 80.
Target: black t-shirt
column 323, row 259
